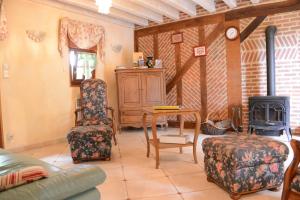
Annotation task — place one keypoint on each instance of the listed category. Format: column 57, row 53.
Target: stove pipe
column 270, row 54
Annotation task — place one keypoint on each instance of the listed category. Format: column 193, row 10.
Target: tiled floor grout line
column 173, row 184
column 123, row 173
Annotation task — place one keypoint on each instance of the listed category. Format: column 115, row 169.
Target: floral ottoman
column 90, row 142
column 244, row 164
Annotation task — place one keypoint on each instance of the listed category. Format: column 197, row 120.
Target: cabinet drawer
column 132, row 112
column 131, row 119
column 131, row 116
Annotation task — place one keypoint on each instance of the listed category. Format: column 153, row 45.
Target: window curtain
column 3, row 22
column 82, row 35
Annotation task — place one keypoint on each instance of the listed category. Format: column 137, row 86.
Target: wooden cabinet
column 139, row 89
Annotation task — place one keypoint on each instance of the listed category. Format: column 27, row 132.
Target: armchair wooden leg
column 115, row 139
column 114, row 134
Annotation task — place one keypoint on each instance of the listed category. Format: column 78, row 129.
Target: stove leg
column 288, row 132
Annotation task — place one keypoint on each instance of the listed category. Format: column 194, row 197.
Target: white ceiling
column 139, row 12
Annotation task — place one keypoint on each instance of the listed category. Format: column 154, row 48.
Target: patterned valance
column 83, row 35
column 3, row 22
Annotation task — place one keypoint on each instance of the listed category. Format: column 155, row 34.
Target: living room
column 140, row 99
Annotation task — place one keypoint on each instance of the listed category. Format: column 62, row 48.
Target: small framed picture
column 200, row 51
column 177, row 38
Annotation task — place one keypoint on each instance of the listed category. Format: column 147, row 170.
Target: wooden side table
column 155, row 141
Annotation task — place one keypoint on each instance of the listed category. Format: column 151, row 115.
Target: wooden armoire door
column 129, row 90
column 153, row 89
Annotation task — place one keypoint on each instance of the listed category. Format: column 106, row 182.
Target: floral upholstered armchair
column 91, row 138
column 93, row 108
column 291, row 185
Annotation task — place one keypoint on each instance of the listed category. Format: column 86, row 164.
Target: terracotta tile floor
column 131, row 175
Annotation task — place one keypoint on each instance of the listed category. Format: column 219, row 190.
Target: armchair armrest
column 77, row 111
column 109, row 108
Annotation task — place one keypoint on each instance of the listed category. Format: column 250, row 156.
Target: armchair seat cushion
column 295, row 185
column 90, row 142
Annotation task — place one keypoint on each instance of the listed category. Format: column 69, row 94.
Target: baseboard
column 37, row 145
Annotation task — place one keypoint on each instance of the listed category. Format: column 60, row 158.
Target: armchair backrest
column 291, row 171
column 93, row 99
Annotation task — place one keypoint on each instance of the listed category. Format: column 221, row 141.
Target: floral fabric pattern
column 93, row 101
column 244, row 163
column 90, row 142
column 83, row 35
column 295, row 185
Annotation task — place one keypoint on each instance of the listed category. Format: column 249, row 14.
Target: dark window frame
column 76, row 82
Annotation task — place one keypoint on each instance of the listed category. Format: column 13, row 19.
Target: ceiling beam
column 159, row 7
column 137, row 10
column 259, row 10
column 208, row 5
column 255, row 1
column 185, row 6
column 230, row 3
column 90, row 6
column 128, row 17
column 263, row 10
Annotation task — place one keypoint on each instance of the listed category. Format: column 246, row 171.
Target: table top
column 175, row 111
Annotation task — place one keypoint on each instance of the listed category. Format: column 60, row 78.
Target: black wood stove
column 270, row 115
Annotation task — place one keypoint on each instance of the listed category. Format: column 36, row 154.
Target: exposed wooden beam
column 208, row 5
column 192, row 59
column 203, row 75
column 137, row 10
column 260, row 10
column 234, row 76
column 255, row 1
column 128, row 17
column 251, row 27
column 155, row 47
column 178, row 70
column 159, row 7
column 230, row 3
column 211, row 19
column 263, row 10
column 185, row 6
column 90, row 6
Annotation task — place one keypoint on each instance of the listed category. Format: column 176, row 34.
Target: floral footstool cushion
column 244, row 164
column 295, row 185
column 90, row 142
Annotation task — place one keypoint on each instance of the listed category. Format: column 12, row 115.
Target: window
column 82, row 65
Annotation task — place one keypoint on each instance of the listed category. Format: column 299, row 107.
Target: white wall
column 37, row 99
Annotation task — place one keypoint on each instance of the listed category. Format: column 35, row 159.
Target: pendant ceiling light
column 104, row 6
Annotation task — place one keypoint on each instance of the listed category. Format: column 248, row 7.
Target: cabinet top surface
column 139, row 69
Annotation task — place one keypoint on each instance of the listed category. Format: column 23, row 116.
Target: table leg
column 155, row 140
column 181, row 129
column 197, row 129
column 146, row 133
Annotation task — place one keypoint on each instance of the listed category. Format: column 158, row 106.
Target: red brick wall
column 253, row 61
column 191, row 87
column 253, row 54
